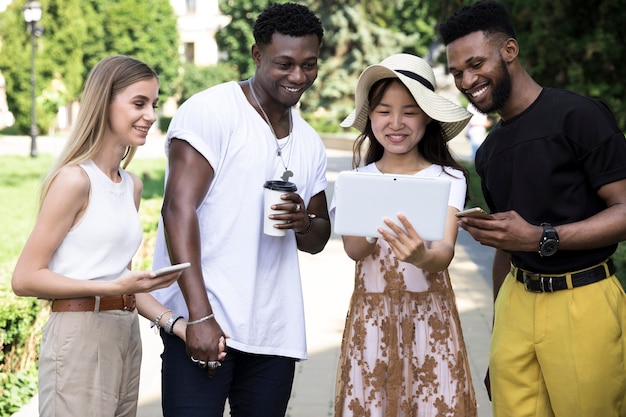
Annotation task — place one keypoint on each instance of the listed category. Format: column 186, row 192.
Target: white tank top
column 103, row 242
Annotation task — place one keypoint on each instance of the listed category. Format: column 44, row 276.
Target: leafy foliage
column 77, row 34
column 19, row 344
column 572, row 44
column 561, row 49
column 357, row 34
column 21, row 318
column 196, row 78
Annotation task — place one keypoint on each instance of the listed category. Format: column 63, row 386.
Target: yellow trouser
column 560, row 354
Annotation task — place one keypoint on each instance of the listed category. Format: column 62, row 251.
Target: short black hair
column 486, row 16
column 288, row 19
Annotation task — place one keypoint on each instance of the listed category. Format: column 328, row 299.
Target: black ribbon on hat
column 417, row 78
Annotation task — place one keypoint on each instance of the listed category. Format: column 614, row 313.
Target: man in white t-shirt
column 223, row 144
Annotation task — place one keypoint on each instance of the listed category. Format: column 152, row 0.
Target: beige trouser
column 89, row 364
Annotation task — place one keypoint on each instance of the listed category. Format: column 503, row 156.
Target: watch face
column 549, row 247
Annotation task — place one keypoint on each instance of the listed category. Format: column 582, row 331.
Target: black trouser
column 255, row 385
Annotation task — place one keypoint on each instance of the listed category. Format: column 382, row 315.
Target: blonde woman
column 79, row 252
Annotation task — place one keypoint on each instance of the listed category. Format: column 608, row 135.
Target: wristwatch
column 549, row 243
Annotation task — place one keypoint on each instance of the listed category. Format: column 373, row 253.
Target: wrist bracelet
column 205, row 318
column 308, row 230
column 169, row 326
column 158, row 319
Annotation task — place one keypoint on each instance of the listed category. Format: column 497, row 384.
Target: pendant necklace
column 279, row 148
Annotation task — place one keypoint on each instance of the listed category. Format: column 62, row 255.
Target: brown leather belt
column 124, row 302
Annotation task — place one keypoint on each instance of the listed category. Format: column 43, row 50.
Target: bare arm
column 358, row 247
column 62, row 208
column 183, row 195
column 509, row 231
column 316, row 239
column 151, row 309
column 296, row 218
column 603, row 229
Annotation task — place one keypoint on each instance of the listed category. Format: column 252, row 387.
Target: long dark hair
column 433, row 146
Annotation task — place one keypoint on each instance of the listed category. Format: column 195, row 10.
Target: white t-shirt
column 253, row 280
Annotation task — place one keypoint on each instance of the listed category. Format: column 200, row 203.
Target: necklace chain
column 279, row 149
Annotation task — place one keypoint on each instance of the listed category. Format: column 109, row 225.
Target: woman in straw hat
column 403, row 352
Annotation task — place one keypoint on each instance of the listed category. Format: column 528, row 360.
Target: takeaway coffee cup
column 273, row 191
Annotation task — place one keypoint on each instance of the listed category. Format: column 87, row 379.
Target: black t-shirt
column 547, row 163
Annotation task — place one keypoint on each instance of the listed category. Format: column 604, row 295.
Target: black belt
column 535, row 282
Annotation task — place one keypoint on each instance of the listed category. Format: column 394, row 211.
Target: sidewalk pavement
column 327, row 280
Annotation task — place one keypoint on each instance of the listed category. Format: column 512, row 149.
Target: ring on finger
column 213, row 364
column 202, row 364
column 298, row 207
column 194, row 360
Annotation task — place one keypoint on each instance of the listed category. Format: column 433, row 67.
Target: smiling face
column 287, row 67
column 479, row 71
column 397, row 121
column 132, row 113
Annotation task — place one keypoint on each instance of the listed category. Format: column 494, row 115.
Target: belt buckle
column 530, row 276
column 129, row 302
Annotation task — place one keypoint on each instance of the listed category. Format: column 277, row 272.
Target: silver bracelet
column 169, row 326
column 200, row 320
column 158, row 319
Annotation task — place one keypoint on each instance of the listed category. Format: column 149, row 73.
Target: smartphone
column 475, row 212
column 173, row 268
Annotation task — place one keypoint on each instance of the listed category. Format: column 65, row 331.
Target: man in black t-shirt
column 553, row 173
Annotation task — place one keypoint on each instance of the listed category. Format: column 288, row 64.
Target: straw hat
column 417, row 75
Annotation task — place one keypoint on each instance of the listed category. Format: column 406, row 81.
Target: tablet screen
column 364, row 199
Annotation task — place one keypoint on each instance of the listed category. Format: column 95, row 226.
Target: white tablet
column 363, row 200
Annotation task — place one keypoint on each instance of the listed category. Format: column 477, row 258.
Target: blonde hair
column 110, row 76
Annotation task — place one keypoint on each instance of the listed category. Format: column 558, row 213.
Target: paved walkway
column 327, row 281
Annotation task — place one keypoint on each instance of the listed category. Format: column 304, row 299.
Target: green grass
column 20, row 181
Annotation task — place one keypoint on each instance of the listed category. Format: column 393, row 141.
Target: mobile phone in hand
column 173, row 268
column 475, row 212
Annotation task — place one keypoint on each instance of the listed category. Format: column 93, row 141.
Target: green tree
column 15, row 60
column 236, row 38
column 577, row 45
column 196, row 78
column 571, row 44
column 77, row 34
column 146, row 30
column 356, row 34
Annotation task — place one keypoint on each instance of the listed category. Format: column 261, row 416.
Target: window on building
column 191, row 6
column 190, row 52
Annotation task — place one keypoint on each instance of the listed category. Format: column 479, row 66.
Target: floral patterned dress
column 403, row 353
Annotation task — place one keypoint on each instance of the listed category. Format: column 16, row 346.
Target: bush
column 20, row 322
column 22, row 318
column 164, row 123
